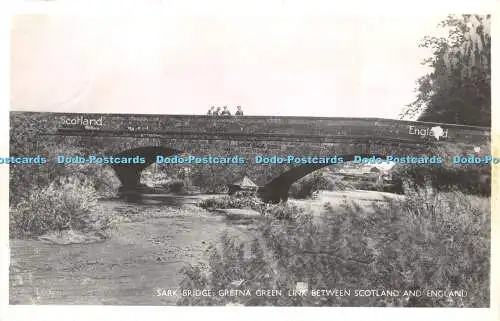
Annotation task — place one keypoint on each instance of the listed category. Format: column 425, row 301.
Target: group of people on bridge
column 213, row 111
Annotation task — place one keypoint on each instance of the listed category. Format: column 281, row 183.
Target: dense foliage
column 473, row 180
column 458, row 89
column 235, row 201
column 427, row 241
column 27, row 179
column 66, row 203
column 56, row 197
column 323, row 179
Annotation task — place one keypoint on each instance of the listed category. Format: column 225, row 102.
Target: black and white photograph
column 268, row 159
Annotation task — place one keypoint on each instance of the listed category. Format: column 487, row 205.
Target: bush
column 213, row 179
column 24, row 178
column 103, row 179
column 319, row 180
column 284, row 211
column 233, row 201
column 475, row 179
column 366, row 185
column 154, row 175
column 219, row 202
column 230, row 268
column 306, row 186
column 180, row 186
column 68, row 203
column 429, row 240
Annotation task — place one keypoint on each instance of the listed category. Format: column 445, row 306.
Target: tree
column 458, row 90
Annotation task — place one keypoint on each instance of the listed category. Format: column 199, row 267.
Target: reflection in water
column 152, row 199
column 170, row 200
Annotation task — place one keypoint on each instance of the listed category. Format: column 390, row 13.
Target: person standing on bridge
column 225, row 112
column 239, row 112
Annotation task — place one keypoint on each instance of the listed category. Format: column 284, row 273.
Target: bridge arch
column 276, row 190
column 130, row 174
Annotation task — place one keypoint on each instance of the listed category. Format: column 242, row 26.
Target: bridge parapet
column 252, row 127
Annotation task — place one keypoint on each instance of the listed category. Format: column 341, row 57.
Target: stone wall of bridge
column 263, row 127
column 37, row 133
column 222, row 147
column 109, row 146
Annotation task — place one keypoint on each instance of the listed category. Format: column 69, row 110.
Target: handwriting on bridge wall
column 81, row 120
column 437, row 131
column 137, row 128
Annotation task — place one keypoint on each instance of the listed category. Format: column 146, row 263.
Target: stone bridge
column 248, row 136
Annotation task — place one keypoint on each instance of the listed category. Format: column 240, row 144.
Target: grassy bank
column 69, row 203
column 428, row 241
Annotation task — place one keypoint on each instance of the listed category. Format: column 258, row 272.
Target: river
column 144, row 252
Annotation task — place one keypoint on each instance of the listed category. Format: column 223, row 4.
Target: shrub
column 232, row 267
column 284, row 211
column 367, row 185
column 319, row 180
column 24, row 178
column 68, row 203
column 306, row 186
column 428, row 240
column 154, row 175
column 213, row 179
column 103, row 179
column 180, row 186
column 475, row 179
column 218, row 202
column 233, row 201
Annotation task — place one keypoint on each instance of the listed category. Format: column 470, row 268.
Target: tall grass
column 427, row 241
column 67, row 203
column 27, row 178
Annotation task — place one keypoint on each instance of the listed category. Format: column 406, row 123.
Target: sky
column 275, row 64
